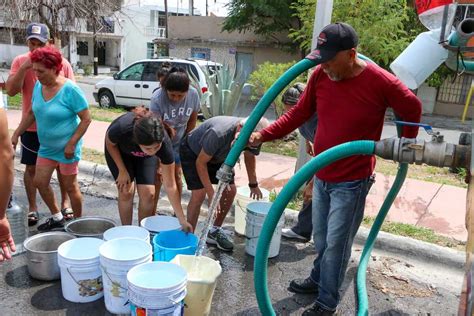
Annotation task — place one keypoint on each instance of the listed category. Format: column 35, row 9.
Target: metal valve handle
column 428, row 128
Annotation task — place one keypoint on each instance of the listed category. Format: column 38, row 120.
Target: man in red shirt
column 22, row 79
column 350, row 97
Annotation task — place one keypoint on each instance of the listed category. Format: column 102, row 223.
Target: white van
column 135, row 84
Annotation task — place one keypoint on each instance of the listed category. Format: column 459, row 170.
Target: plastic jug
column 420, row 59
column 18, row 224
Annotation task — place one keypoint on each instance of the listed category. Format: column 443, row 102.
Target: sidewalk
column 431, row 205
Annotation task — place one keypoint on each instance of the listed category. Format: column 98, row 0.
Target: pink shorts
column 66, row 169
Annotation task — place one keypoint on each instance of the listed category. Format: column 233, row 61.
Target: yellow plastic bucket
column 202, row 277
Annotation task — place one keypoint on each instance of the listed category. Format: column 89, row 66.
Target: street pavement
column 431, row 205
column 397, row 285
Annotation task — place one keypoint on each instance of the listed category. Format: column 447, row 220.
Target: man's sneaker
column 51, row 224
column 220, row 239
column 303, row 286
column 317, row 310
column 290, row 234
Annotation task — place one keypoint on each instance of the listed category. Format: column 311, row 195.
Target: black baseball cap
column 37, row 31
column 334, row 38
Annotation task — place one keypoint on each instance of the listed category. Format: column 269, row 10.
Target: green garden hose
column 363, row 301
column 304, row 174
column 262, row 106
column 362, row 298
column 361, row 147
column 265, row 102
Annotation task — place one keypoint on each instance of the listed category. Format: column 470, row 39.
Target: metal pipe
column 433, row 153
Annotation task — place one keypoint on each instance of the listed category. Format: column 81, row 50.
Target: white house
column 125, row 38
column 122, row 39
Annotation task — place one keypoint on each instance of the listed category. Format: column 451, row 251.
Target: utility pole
column 166, row 28
column 322, row 17
column 96, row 48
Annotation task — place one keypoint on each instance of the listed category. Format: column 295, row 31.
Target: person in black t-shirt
column 133, row 145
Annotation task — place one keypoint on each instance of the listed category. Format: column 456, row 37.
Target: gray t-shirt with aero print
column 175, row 114
column 214, row 136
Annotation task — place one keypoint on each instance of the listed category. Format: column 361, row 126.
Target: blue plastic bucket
column 174, row 242
column 159, row 223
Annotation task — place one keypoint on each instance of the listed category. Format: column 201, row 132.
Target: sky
column 214, row 6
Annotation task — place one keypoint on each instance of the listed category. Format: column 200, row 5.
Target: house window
column 201, row 53
column 82, row 48
column 161, row 19
column 150, row 50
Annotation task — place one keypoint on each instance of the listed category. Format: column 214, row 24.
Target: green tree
column 381, row 25
column 269, row 18
column 265, row 75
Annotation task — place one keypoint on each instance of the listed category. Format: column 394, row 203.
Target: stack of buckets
column 256, row 214
column 242, row 199
column 121, row 270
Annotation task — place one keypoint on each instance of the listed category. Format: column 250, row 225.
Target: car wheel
column 106, row 99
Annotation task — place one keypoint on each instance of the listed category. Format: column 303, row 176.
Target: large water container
column 17, row 216
column 430, row 13
column 420, row 59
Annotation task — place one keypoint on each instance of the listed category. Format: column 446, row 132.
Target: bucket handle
column 244, row 210
column 173, row 299
column 116, row 283
column 81, row 285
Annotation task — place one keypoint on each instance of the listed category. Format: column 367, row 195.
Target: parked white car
column 135, row 84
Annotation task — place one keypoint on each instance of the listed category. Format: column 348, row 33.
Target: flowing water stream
column 211, row 216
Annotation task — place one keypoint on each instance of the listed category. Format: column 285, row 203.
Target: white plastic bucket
column 202, row 278
column 117, row 257
column 420, row 59
column 241, row 200
column 159, row 223
column 256, row 214
column 157, row 288
column 127, row 231
column 81, row 278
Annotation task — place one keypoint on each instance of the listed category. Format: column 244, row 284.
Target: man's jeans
column 304, row 226
column 338, row 210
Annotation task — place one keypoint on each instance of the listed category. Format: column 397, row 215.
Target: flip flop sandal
column 68, row 213
column 33, row 218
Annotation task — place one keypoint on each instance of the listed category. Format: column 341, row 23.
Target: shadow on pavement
column 19, row 278
column 391, row 312
column 50, row 299
column 286, row 306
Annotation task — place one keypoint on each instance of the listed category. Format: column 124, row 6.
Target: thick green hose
column 265, row 102
column 262, row 106
column 362, row 298
column 361, row 147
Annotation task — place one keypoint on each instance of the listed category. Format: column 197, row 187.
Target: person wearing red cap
column 350, row 97
column 22, row 80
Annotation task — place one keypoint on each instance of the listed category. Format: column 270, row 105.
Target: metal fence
column 455, row 91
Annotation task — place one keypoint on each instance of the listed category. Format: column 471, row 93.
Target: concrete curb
column 99, row 176
column 402, row 246
column 85, row 167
